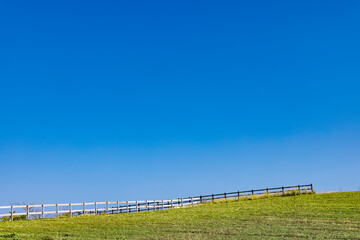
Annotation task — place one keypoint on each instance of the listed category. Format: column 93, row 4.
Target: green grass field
column 319, row 216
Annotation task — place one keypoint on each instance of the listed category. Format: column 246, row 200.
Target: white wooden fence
column 73, row 209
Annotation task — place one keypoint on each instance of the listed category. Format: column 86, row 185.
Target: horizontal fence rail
column 22, row 212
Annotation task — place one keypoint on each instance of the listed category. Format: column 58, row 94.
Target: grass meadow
column 315, row 216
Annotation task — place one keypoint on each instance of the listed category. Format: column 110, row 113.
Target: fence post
column 283, row 192
column 252, row 192
column 42, row 210
column 182, row 203
column 70, row 209
column 312, row 190
column 27, row 212
column 84, row 209
column 127, row 206
column 267, row 191
column 200, row 199
column 212, row 197
column 172, row 203
column 107, row 207
column 225, row 196
column 155, row 206
column 162, row 204
column 192, row 202
column 95, row 208
column 146, row 204
column 12, row 213
column 299, row 189
column 117, row 206
column 57, row 210
column 238, row 194
column 137, row 209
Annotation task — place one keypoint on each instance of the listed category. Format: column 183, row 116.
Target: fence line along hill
column 22, row 212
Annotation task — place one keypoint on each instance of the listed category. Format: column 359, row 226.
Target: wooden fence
column 298, row 189
column 76, row 209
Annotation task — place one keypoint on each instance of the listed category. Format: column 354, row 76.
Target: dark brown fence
column 289, row 190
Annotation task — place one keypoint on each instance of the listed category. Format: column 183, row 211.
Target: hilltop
column 327, row 215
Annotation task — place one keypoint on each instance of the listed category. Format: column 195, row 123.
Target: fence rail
column 75, row 209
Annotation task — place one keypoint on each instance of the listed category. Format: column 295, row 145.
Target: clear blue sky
column 122, row 100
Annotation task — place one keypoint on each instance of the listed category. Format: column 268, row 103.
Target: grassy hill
column 322, row 216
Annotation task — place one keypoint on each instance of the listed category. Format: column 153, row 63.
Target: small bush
column 13, row 236
column 47, row 238
column 15, row 218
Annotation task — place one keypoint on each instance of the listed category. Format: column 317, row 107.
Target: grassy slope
column 330, row 215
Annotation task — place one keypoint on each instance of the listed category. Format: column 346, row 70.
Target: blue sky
column 121, row 100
